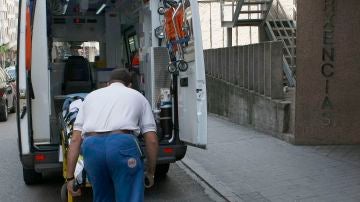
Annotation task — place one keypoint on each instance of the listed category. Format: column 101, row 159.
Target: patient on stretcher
column 70, row 108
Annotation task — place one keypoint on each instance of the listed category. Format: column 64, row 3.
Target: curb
column 210, row 180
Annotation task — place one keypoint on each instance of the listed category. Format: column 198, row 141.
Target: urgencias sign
column 328, row 59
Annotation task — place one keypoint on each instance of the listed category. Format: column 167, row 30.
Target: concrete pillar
column 251, row 67
column 276, row 70
column 256, row 67
column 229, row 36
column 328, row 76
column 240, row 66
column 261, row 61
column 246, row 66
column 222, row 63
column 267, row 69
column 234, row 64
column 218, row 63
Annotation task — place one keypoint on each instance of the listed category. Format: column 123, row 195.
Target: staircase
column 280, row 28
column 269, row 15
column 244, row 12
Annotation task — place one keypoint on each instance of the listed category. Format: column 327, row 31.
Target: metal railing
column 256, row 67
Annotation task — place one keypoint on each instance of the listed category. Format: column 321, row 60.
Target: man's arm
column 72, row 157
column 148, row 128
column 152, row 146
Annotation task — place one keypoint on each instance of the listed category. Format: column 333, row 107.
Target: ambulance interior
column 76, row 44
column 86, row 40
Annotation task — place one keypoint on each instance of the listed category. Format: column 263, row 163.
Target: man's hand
column 152, row 146
column 72, row 157
column 70, row 188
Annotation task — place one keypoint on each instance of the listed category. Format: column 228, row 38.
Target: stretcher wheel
column 182, row 66
column 159, row 32
column 172, row 68
column 64, row 193
column 161, row 10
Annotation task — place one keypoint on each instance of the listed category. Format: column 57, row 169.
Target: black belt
column 109, row 132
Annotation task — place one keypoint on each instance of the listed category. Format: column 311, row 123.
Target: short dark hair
column 122, row 75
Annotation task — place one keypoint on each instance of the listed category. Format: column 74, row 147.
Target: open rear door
column 192, row 104
column 22, row 87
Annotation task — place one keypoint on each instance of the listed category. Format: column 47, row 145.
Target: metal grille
column 256, row 67
column 161, row 74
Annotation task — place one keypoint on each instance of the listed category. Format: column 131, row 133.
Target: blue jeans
column 114, row 168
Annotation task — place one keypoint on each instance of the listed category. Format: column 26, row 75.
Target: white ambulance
column 70, row 46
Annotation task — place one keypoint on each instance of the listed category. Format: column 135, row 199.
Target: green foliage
column 4, row 48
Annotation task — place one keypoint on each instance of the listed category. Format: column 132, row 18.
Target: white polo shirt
column 115, row 107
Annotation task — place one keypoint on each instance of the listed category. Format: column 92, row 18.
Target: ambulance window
column 88, row 50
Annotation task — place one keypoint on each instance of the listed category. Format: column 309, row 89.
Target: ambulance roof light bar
column 101, row 9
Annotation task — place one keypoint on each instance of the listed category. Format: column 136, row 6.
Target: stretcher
column 177, row 33
column 67, row 117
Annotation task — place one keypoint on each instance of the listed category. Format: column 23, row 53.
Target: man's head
column 120, row 75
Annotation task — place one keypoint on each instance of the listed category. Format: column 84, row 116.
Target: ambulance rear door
column 192, row 103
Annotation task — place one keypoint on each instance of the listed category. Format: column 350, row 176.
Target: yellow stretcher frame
column 66, row 195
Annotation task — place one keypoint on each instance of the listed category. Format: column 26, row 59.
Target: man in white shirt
column 112, row 156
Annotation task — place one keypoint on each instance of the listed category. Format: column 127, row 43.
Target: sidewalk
column 245, row 165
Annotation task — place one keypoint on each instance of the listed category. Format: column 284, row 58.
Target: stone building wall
column 328, row 74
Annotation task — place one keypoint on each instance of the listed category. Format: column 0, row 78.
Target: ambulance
column 67, row 47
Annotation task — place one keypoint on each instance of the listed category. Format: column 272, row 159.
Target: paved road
column 178, row 186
